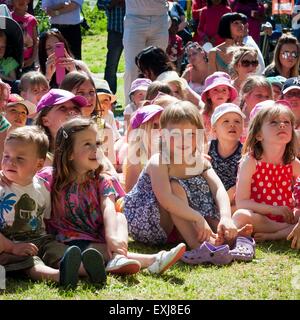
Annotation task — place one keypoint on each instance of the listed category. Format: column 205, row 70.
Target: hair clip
column 65, row 134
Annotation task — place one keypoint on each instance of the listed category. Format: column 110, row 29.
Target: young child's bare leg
column 277, row 235
column 186, row 228
column 43, row 272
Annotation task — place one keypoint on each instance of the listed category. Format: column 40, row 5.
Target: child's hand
column 115, row 245
column 67, row 62
column 204, row 230
column 295, row 236
column 226, row 229
column 50, row 66
column 286, row 212
column 24, row 249
column 3, row 180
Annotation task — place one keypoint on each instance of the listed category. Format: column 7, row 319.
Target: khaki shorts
column 50, row 253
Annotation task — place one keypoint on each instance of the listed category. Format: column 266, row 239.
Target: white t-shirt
column 130, row 109
column 23, row 208
column 110, row 119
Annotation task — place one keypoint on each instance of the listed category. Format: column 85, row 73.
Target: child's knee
column 242, row 215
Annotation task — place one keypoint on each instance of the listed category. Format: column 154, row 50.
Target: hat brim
column 27, row 104
column 290, row 88
column 113, row 98
column 233, row 91
column 135, row 124
column 230, row 110
column 143, row 88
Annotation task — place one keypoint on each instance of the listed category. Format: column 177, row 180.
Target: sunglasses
column 248, row 63
column 287, row 54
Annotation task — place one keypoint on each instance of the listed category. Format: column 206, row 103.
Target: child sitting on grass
column 25, row 203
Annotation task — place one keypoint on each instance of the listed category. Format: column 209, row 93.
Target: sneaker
column 69, row 266
column 165, row 259
column 122, row 265
column 93, row 263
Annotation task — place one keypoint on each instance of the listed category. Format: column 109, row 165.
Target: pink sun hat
column 145, row 114
column 216, row 79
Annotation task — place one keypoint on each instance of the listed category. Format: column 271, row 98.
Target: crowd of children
column 206, row 162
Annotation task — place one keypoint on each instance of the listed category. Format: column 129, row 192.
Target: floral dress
column 142, row 209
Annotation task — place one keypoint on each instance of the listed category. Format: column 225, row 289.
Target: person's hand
column 50, row 66
column 295, row 236
column 226, row 229
column 204, row 230
column 24, row 249
column 3, row 180
column 286, row 212
column 67, row 62
column 115, row 245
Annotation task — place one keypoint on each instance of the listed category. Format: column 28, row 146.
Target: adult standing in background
column 115, row 12
column 145, row 24
column 65, row 16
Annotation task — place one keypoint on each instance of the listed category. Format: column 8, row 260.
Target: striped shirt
column 115, row 16
column 4, row 124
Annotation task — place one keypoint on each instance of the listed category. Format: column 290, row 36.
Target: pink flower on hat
column 216, row 79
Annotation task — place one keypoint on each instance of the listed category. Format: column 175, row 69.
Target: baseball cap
column 223, row 109
column 15, row 99
column 216, row 79
column 139, row 84
column 290, row 84
column 58, row 96
column 276, row 81
column 144, row 114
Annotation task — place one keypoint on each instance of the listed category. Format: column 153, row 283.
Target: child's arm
column 161, row 187
column 226, row 227
column 243, row 192
column 114, row 244
column 132, row 174
column 295, row 236
column 231, row 194
column 18, row 249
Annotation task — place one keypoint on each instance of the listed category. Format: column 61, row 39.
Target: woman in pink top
column 210, row 16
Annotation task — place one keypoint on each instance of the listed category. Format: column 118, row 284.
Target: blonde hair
column 64, row 145
column 238, row 53
column 31, row 135
column 179, row 85
column 155, row 88
column 33, row 79
column 285, row 39
column 250, row 84
column 254, row 146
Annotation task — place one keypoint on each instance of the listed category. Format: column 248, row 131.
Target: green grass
column 268, row 276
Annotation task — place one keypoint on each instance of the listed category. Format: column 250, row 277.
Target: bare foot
column 246, row 230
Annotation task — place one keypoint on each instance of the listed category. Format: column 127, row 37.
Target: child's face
column 50, row 44
column 175, row 90
column 293, row 97
column 258, row 94
column 183, row 140
column 276, row 131
column 87, row 90
column 35, row 93
column 2, row 46
column 276, row 92
column 229, row 127
column 85, row 151
column 16, row 115
column 20, row 4
column 138, row 96
column 59, row 114
column 219, row 95
column 105, row 103
column 20, row 161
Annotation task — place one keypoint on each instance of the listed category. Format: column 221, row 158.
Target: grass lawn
column 269, row 276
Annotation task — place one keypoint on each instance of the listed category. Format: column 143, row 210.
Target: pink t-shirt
column 28, row 23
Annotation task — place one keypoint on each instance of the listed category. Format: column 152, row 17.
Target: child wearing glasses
column 286, row 58
column 244, row 62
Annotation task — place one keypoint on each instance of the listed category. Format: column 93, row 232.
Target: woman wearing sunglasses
column 286, row 58
column 244, row 62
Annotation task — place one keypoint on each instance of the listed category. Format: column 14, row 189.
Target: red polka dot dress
column 272, row 185
column 296, row 192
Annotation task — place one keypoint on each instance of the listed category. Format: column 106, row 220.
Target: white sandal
column 122, row 265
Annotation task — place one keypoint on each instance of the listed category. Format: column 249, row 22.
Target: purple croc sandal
column 244, row 249
column 208, row 253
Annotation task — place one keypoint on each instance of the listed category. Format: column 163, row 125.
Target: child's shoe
column 122, row 265
column 244, row 249
column 93, row 263
column 165, row 259
column 69, row 266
